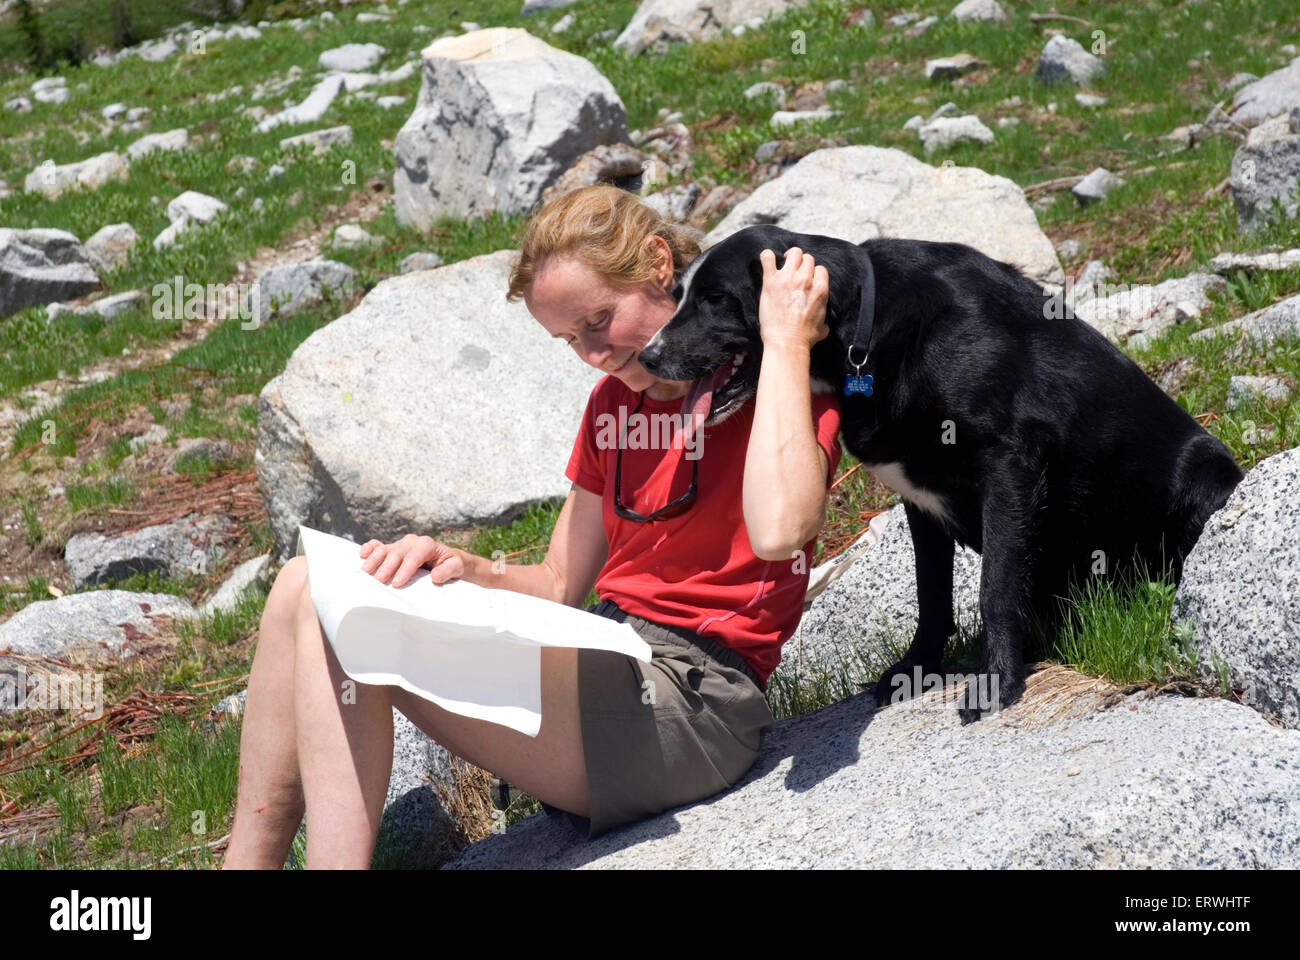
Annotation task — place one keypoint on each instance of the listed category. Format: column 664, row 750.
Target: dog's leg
column 1015, row 489
column 934, row 553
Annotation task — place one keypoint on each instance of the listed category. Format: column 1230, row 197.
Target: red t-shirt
column 696, row 570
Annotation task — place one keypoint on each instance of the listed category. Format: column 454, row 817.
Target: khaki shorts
column 662, row 734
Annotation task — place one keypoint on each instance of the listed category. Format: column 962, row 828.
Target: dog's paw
column 969, row 715
column 987, row 693
column 903, row 681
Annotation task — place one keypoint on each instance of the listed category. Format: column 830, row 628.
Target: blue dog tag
column 860, row 385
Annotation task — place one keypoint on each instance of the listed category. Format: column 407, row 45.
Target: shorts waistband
column 712, row 648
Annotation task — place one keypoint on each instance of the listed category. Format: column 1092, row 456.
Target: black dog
column 1033, row 441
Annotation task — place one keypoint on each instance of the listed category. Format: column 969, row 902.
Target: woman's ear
column 664, row 255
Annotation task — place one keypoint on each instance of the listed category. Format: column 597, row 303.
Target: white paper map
column 471, row 650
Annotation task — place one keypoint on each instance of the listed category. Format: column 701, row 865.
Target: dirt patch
column 721, row 123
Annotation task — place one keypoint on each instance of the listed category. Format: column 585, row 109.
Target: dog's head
column 713, row 338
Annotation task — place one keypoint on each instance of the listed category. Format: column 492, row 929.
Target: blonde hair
column 605, row 228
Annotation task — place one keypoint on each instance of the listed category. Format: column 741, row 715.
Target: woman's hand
column 407, row 555
column 792, row 306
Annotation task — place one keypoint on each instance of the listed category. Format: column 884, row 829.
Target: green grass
column 1124, row 632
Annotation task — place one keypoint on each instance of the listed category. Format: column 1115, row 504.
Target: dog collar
column 857, row 382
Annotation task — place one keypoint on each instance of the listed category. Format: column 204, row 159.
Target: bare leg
column 295, row 718
column 270, row 803
column 345, row 750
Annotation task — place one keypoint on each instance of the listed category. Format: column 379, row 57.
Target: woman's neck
column 666, row 390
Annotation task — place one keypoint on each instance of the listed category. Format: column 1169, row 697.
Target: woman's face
column 606, row 326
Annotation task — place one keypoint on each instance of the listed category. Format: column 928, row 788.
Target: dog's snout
column 650, row 358
column 652, row 354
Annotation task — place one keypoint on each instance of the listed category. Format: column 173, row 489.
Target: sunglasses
column 673, row 509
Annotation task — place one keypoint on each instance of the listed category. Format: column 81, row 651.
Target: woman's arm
column 576, row 553
column 785, row 467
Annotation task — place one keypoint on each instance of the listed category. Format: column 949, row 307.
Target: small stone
column 920, row 27
column 352, row 56
column 1095, row 186
column 420, row 261
column 1244, row 390
column 350, row 236
column 969, row 10
column 785, row 118
column 947, row 68
column 319, row 140
column 765, row 88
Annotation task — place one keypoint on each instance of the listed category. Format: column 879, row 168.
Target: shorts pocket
column 747, row 715
column 677, row 680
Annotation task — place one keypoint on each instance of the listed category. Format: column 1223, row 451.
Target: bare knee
column 282, row 602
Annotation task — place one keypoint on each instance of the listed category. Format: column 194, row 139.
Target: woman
column 705, row 553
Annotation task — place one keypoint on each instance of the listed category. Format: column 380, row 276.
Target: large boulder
column 658, row 24
column 42, row 266
column 1142, row 313
column 1271, row 96
column 1240, row 589
column 1265, row 170
column 434, row 403
column 1262, row 328
column 420, row 809
column 187, row 545
column 248, row 575
column 864, row 621
column 86, row 627
column 1163, row 782
column 501, row 114
column 860, row 192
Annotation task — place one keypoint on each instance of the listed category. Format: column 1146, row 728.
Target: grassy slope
column 1160, row 224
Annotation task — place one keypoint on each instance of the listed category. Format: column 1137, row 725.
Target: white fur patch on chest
column 820, row 386
column 892, row 476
